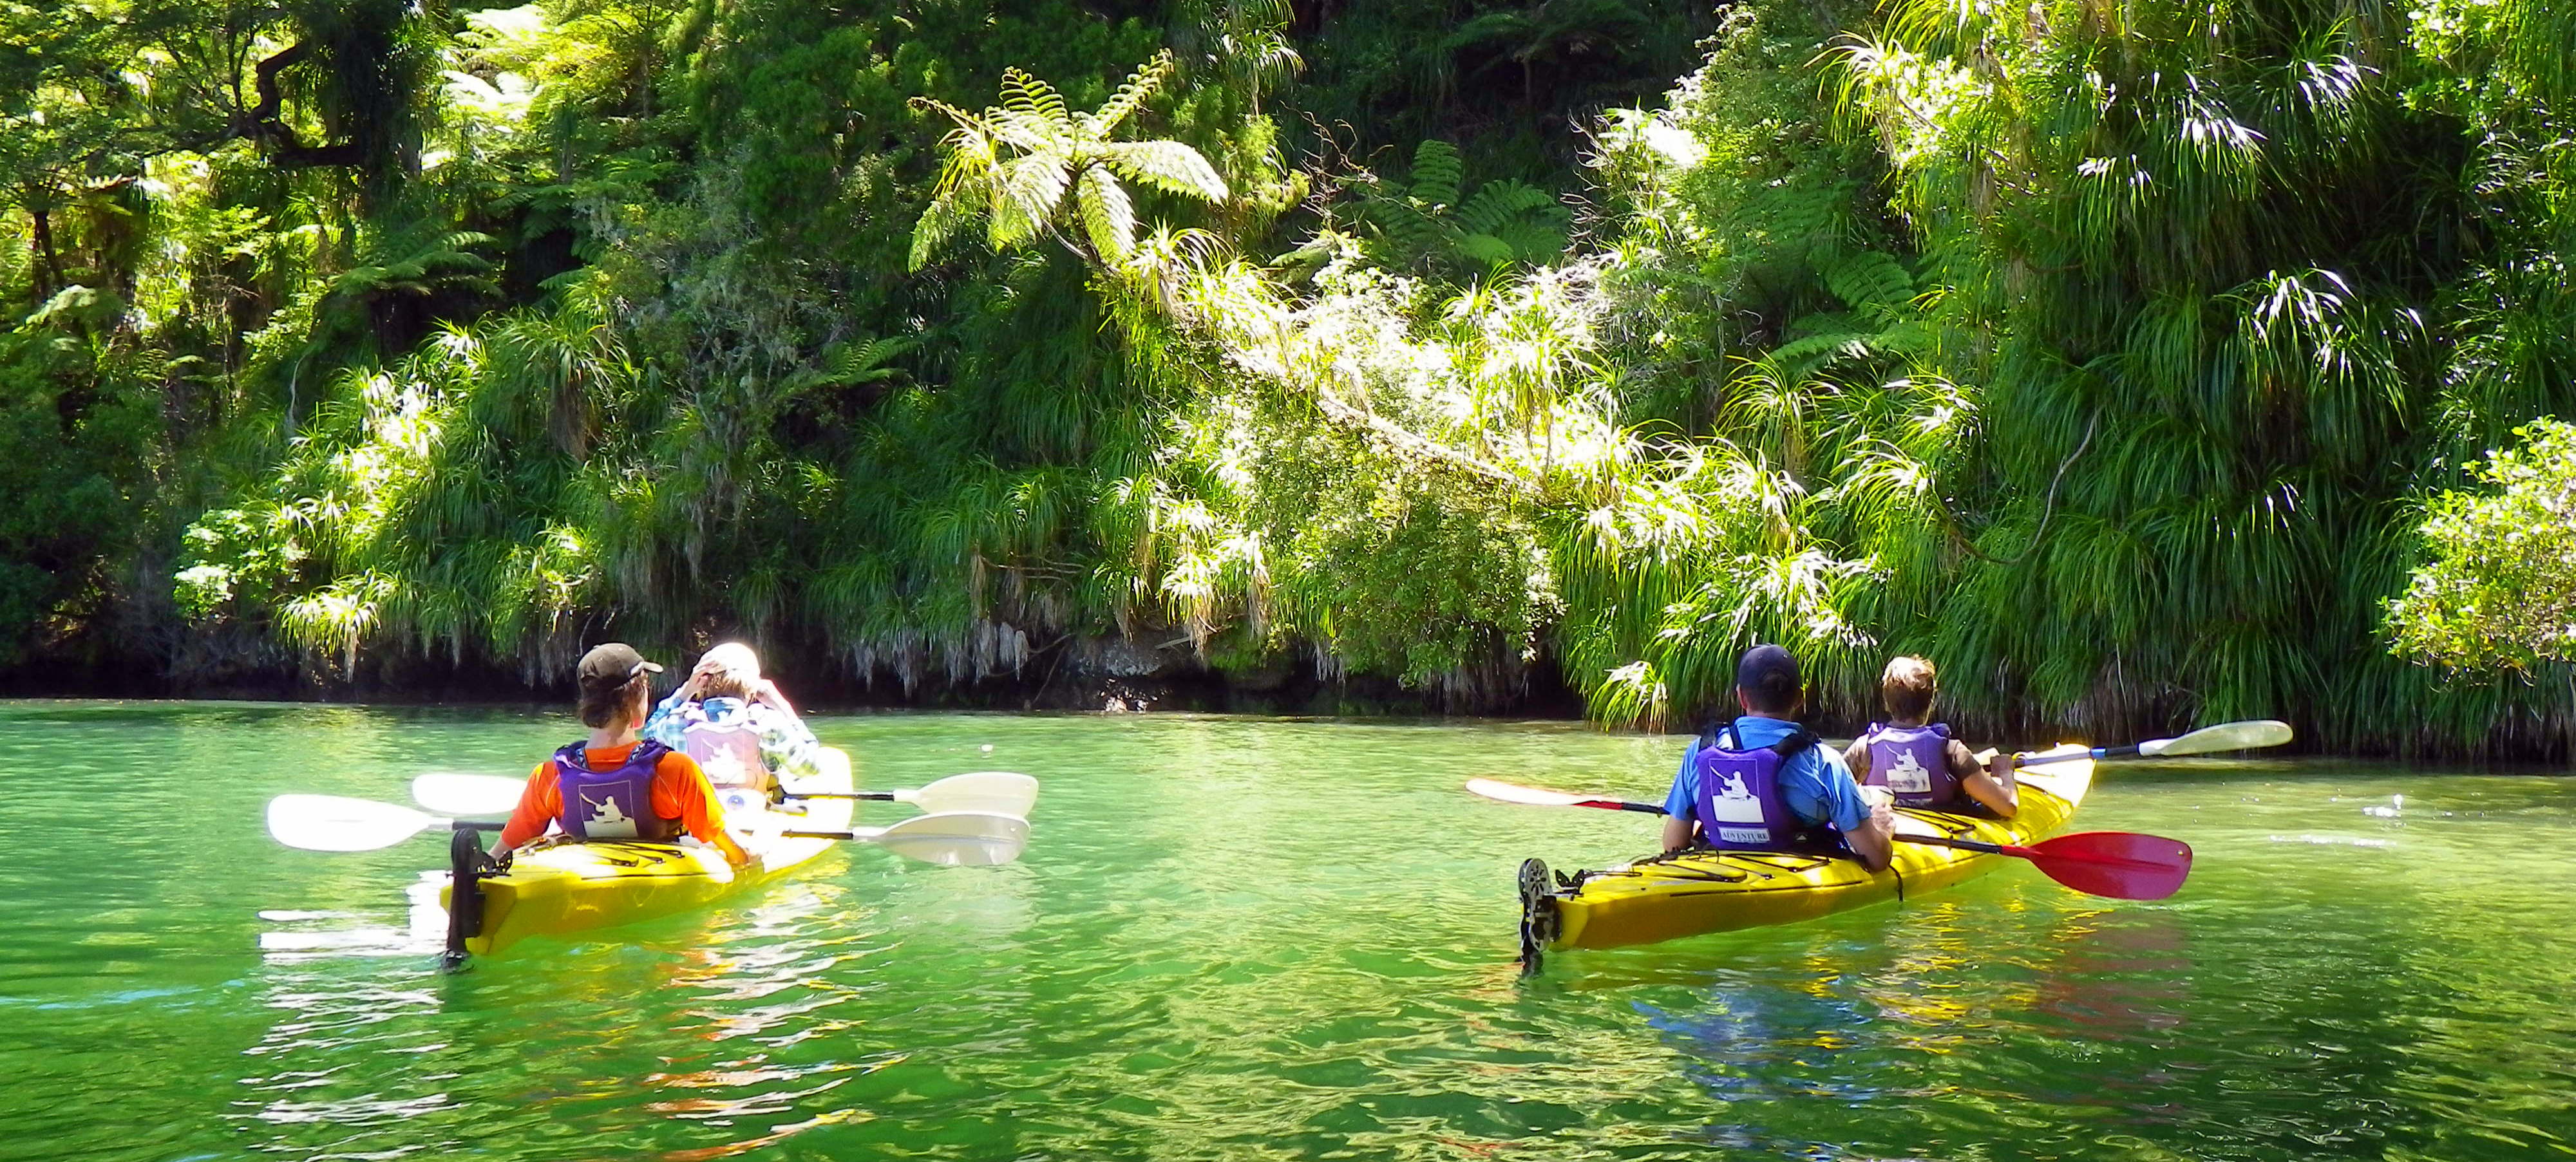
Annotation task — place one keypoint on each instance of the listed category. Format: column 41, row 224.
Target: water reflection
column 1303, row 951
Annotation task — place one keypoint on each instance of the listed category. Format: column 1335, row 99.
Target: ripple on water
column 1251, row 940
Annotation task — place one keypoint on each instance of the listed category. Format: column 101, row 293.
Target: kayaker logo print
column 1907, row 773
column 1733, row 803
column 608, row 818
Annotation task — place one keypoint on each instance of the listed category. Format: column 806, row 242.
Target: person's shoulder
column 676, row 764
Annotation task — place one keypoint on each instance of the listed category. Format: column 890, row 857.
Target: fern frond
column 1169, row 166
column 1868, row 279
column 1025, row 197
column 1028, row 96
column 1437, row 172
column 1139, row 88
column 1497, row 203
column 1532, row 240
column 865, row 362
column 1107, row 215
column 948, row 210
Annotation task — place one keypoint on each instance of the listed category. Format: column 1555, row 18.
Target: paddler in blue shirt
column 1765, row 783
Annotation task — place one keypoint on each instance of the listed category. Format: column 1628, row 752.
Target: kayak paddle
column 2123, row 865
column 333, row 823
column 2248, row 735
column 989, row 792
column 955, row 838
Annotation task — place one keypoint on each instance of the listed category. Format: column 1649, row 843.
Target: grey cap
column 613, row 664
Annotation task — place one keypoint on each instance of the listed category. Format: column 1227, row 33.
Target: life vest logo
column 1907, row 773
column 728, row 754
column 1732, row 803
column 608, row 818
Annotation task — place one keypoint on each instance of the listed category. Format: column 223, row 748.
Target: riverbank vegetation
column 2118, row 359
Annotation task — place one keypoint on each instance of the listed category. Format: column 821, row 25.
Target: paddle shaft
column 2099, row 752
column 2029, row 853
column 872, row 796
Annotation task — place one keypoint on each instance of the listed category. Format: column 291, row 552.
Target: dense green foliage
column 2108, row 358
column 2500, row 590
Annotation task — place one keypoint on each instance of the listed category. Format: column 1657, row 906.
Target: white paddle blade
column 957, row 838
column 1527, row 796
column 989, row 792
column 449, row 793
column 332, row 823
column 2225, row 736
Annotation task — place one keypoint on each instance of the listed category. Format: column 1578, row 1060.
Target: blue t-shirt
column 1814, row 782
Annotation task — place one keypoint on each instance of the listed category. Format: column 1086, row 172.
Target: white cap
column 733, row 658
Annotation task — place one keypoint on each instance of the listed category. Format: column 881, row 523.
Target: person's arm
column 1868, row 827
column 681, row 790
column 539, row 803
column 1874, row 841
column 770, row 694
column 787, row 745
column 1993, row 786
column 1681, row 804
column 1856, row 756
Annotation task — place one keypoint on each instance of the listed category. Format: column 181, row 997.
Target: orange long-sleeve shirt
column 680, row 791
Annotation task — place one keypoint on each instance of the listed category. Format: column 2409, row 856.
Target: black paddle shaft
column 872, row 796
column 1945, row 841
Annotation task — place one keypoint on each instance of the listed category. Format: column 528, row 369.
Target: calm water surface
column 1251, row 940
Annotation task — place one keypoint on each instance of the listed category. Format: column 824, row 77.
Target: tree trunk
column 53, row 263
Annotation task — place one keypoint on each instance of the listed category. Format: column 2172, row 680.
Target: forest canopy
column 2138, row 366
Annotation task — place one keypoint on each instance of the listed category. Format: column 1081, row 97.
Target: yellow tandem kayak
column 1704, row 891
column 577, row 887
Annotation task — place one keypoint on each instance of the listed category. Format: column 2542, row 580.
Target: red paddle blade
column 2123, row 865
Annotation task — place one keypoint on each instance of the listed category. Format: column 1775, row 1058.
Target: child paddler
column 1764, row 783
column 615, row 784
column 738, row 726
column 1917, row 760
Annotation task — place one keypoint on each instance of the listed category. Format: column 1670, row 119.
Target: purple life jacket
column 729, row 752
column 1740, row 806
column 1913, row 763
column 612, row 804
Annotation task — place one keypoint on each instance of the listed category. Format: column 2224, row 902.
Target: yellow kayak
column 577, row 887
column 1703, row 891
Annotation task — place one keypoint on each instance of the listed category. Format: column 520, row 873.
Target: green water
column 1250, row 939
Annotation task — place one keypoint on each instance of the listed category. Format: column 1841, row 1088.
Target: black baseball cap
column 1768, row 676
column 613, row 664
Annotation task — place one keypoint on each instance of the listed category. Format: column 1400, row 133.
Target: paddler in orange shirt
column 615, row 784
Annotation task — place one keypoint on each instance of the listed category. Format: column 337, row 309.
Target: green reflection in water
column 1252, row 939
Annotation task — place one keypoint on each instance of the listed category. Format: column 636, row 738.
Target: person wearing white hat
column 736, row 724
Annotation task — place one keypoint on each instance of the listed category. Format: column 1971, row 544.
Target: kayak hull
column 571, row 888
column 1690, row 895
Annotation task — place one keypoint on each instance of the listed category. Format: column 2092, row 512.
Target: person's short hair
column 600, row 701
column 1907, row 688
column 1767, row 677
column 731, row 671
column 610, row 676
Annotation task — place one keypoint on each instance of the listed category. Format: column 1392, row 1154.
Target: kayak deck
column 1703, row 891
column 569, row 888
